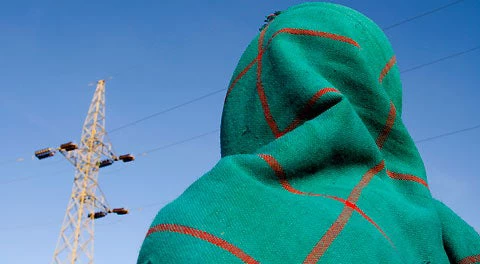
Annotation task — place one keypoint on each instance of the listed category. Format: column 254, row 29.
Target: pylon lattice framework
column 87, row 202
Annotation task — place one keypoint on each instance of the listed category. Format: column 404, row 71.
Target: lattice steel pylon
column 87, row 202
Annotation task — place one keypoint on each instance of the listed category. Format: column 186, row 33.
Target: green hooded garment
column 317, row 165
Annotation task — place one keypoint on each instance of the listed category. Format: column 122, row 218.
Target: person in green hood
column 317, row 165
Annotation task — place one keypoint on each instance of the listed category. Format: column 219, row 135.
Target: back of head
column 304, row 49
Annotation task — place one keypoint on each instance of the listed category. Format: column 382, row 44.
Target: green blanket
column 317, row 165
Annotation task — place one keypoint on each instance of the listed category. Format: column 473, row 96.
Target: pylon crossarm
column 71, row 157
column 100, row 204
column 107, row 151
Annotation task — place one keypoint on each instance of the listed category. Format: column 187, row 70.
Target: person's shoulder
column 213, row 188
column 191, row 221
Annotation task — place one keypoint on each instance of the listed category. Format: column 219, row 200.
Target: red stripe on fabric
column 277, row 168
column 308, row 32
column 286, row 185
column 470, row 260
column 240, row 75
column 261, row 92
column 392, row 114
column 387, row 68
column 204, row 236
column 331, row 234
column 406, row 177
column 374, row 224
column 363, row 214
column 355, row 194
column 308, row 107
column 321, row 247
column 350, row 204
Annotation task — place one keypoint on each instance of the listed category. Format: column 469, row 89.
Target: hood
column 317, row 164
column 326, row 64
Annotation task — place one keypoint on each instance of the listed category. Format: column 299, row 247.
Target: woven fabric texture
column 317, row 165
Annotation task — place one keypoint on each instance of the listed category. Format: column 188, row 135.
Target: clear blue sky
column 163, row 53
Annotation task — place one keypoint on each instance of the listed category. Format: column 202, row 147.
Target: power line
column 441, row 59
column 172, row 108
column 221, row 90
column 122, row 168
column 168, row 110
column 401, row 22
column 421, row 15
column 180, row 142
column 216, row 130
column 12, row 161
column 27, row 160
column 183, row 141
column 451, row 56
column 32, row 177
column 140, row 208
column 448, row 134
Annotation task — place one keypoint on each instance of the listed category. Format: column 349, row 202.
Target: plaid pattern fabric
column 317, row 165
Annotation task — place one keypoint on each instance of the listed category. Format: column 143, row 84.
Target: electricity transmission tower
column 87, row 202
